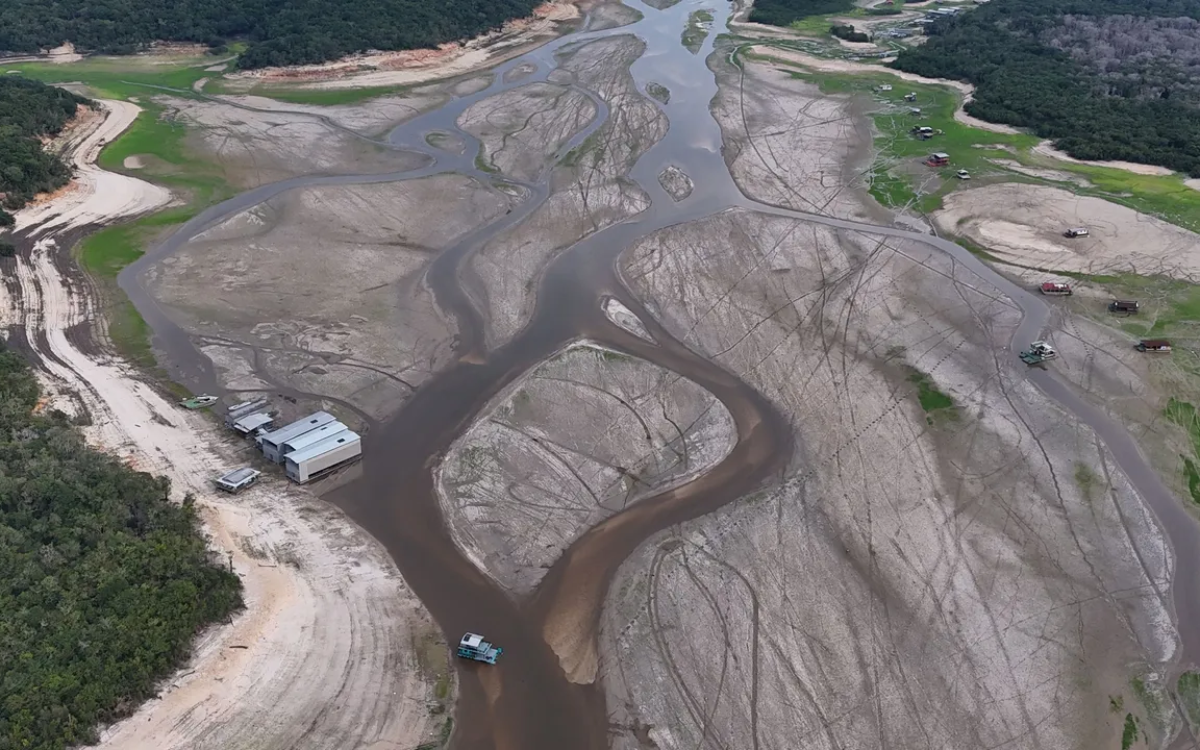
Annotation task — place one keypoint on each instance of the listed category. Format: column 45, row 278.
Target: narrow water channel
column 526, row 702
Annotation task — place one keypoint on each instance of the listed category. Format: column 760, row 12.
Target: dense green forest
column 783, row 12
column 30, row 110
column 1106, row 79
column 280, row 32
column 103, row 581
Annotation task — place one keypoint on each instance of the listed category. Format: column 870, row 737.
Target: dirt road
column 326, row 652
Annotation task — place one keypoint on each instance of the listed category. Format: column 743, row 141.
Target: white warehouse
column 323, row 456
column 272, row 442
column 312, row 437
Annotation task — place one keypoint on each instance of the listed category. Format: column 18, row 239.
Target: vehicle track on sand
column 544, row 693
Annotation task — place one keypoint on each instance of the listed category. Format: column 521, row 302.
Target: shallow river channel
column 526, row 702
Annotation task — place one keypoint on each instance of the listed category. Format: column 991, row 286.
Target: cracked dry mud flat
column 319, row 289
column 901, row 579
column 582, row 437
column 903, row 584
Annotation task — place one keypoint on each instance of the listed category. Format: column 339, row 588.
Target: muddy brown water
column 527, row 702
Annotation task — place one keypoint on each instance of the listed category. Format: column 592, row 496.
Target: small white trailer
column 321, row 458
column 238, row 480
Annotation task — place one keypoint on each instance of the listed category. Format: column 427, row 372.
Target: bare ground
column 589, row 189
column 583, row 436
column 1024, row 224
column 522, row 128
column 321, row 290
column 789, row 145
column 328, row 620
column 259, row 147
column 915, row 579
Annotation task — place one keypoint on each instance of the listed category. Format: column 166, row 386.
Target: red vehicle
column 1161, row 346
column 1056, row 288
column 938, row 159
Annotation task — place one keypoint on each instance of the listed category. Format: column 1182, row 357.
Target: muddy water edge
column 527, row 702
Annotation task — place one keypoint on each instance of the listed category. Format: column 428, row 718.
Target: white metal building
column 271, row 442
column 236, row 481
column 252, row 423
column 312, row 437
column 320, row 458
column 245, row 408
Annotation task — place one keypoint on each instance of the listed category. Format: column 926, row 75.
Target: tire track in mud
column 544, row 695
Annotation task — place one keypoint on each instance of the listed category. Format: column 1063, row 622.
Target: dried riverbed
column 730, row 519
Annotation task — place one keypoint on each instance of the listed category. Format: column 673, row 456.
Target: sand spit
column 96, row 195
column 1024, row 224
column 328, row 620
column 1046, row 149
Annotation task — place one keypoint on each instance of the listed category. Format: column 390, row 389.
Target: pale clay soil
column 906, row 582
column 323, row 655
column 1024, row 224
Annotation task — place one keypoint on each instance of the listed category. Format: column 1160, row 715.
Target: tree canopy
column 784, row 12
column 279, row 32
column 103, row 581
column 30, row 110
column 1085, row 73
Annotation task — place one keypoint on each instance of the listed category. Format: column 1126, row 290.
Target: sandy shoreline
column 95, row 196
column 328, row 618
column 408, row 67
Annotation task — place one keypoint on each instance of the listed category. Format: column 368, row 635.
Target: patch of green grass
column 1116, row 703
column 1130, row 732
column 1188, row 691
column 974, row 149
column 162, row 144
column 608, row 355
column 327, row 97
column 483, row 165
column 698, row 25
column 899, row 171
column 120, row 77
column 1087, row 481
column 1183, row 414
column 819, row 25
column 890, row 190
column 933, row 401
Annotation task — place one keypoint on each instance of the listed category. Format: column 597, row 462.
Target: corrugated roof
column 317, row 449
column 299, row 427
column 312, row 437
column 239, row 475
column 253, row 422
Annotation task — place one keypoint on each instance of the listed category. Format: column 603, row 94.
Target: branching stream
column 527, row 702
